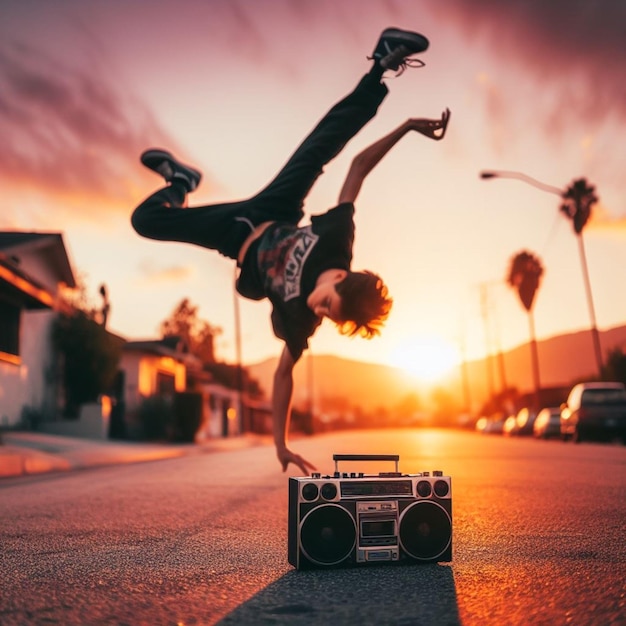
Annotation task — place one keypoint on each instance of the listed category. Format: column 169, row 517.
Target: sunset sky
column 232, row 86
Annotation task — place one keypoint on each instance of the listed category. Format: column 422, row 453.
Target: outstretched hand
column 434, row 129
column 286, row 456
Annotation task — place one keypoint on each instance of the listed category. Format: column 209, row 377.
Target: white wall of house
column 12, row 389
column 221, row 410
column 29, row 382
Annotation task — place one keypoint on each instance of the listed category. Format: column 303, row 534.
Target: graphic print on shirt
column 284, row 261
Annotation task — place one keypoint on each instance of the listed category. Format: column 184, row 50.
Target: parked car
column 548, row 423
column 594, row 411
column 509, row 427
column 520, row 424
column 525, row 420
column 490, row 425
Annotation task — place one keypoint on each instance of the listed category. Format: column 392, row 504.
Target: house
column 34, row 268
column 153, row 367
column 164, row 368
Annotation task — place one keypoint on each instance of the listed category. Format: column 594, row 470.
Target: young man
column 303, row 271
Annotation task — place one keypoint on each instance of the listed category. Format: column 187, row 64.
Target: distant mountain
column 368, row 385
column 563, row 360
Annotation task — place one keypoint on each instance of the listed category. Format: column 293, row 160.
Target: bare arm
column 366, row 160
column 281, row 409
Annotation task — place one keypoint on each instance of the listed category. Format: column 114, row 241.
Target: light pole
column 243, row 425
column 578, row 199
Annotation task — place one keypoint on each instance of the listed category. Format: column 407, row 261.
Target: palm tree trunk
column 534, row 359
column 592, row 315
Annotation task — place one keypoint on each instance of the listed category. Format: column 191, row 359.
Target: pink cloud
column 575, row 46
column 71, row 133
column 172, row 273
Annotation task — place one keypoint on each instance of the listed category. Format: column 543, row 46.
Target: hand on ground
column 286, row 456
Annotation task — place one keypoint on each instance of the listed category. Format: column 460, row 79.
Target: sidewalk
column 27, row 453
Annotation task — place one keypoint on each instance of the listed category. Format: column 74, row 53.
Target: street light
column 519, row 176
column 577, row 201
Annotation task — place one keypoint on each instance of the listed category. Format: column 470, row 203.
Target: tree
column 524, row 275
column 89, row 358
column 615, row 367
column 198, row 334
column 578, row 200
column 228, row 375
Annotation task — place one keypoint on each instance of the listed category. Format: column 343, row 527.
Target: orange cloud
column 602, row 222
column 75, row 135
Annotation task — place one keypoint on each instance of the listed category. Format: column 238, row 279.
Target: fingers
column 304, row 465
column 445, row 118
column 310, row 466
column 442, row 126
column 433, row 129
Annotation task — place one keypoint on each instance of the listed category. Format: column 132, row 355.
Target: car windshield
column 604, row 396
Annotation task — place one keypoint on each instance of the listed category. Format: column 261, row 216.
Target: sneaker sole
column 152, row 158
column 414, row 41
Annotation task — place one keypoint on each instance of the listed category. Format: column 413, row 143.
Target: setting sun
column 427, row 358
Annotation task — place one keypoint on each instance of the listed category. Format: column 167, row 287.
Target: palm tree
column 524, row 275
column 578, row 199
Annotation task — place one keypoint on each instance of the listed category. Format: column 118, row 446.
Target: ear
column 339, row 276
column 321, row 311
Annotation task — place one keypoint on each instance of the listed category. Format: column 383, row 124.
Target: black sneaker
column 395, row 46
column 163, row 163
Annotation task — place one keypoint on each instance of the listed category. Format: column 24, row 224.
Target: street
column 538, row 538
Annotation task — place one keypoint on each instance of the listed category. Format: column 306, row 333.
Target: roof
column 14, row 243
column 168, row 346
column 17, row 286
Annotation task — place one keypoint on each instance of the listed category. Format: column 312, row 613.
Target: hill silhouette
column 563, row 360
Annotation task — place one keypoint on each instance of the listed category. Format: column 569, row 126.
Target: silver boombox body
column 352, row 518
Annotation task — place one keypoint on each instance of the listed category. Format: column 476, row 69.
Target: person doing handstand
column 304, row 271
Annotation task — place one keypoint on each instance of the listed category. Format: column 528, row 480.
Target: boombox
column 352, row 518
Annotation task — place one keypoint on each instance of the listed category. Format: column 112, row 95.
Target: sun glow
column 427, row 358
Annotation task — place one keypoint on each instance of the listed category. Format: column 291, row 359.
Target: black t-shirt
column 284, row 264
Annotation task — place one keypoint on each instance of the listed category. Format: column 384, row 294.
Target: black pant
column 224, row 227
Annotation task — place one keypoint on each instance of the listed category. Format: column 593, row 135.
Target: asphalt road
column 538, row 538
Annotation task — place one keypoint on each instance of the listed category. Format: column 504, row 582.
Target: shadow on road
column 386, row 594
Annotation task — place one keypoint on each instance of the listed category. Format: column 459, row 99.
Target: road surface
column 538, row 538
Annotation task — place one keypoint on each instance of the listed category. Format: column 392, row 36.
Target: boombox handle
column 365, row 457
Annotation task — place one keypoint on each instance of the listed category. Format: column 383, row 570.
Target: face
column 330, row 305
column 326, row 302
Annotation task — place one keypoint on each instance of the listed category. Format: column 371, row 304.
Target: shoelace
column 409, row 63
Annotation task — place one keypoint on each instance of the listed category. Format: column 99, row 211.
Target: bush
column 155, row 418
column 187, row 415
column 90, row 359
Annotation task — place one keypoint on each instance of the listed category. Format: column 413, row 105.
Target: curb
column 25, row 454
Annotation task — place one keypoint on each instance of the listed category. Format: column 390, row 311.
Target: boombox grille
column 327, row 534
column 425, row 530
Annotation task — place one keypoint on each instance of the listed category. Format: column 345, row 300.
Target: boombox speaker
column 350, row 519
